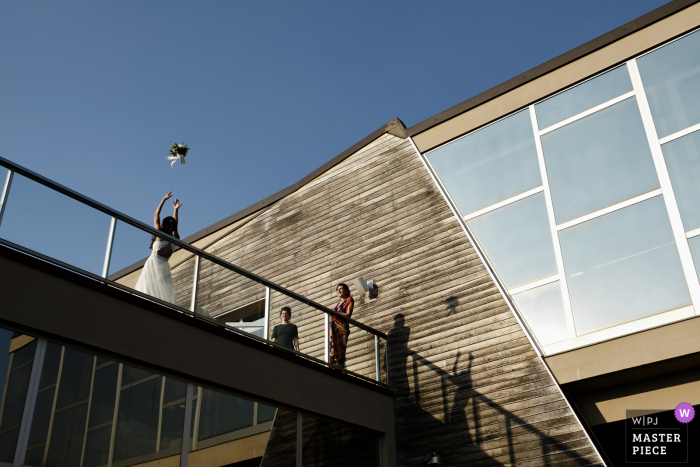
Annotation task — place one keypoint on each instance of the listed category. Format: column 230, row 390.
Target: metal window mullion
column 110, row 243
column 300, row 428
column 53, row 404
column 5, row 193
column 160, row 413
column 669, row 197
column 267, row 313
column 184, row 451
column 568, row 311
column 87, row 416
column 30, row 403
column 195, row 284
column 197, row 415
column 113, row 434
column 7, row 380
column 255, row 413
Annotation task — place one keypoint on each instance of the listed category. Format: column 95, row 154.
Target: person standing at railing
column 156, row 278
column 339, row 330
column 286, row 334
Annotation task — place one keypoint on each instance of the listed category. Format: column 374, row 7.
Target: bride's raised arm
column 156, row 216
column 176, row 207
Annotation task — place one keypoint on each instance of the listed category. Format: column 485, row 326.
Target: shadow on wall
column 469, row 423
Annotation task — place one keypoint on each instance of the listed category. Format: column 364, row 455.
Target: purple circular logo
column 684, row 412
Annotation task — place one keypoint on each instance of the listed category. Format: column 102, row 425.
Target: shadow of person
column 397, row 341
column 463, row 398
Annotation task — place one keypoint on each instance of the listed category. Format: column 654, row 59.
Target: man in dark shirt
column 286, row 334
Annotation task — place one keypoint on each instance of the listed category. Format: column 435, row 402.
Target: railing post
column 5, row 192
column 325, row 333
column 195, row 283
column 266, row 328
column 386, row 359
column 376, row 356
column 108, row 252
column 30, row 403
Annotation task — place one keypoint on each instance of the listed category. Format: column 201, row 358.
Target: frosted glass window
column 490, row 165
column 671, row 78
column 518, row 240
column 683, row 161
column 543, row 309
column 583, row 97
column 598, row 161
column 623, row 266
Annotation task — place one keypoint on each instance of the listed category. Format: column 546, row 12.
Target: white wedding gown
column 156, row 278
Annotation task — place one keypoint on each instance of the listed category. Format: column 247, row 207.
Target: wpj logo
column 654, row 437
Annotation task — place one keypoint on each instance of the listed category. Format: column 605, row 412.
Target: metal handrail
column 184, row 245
column 185, row 311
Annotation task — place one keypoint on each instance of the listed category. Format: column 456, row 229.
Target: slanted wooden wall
column 468, row 384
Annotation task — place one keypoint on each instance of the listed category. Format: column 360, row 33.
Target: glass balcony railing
column 44, row 219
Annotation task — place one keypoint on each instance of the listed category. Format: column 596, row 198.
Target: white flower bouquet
column 178, row 151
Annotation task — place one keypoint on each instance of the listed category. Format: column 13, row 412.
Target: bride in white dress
column 156, row 278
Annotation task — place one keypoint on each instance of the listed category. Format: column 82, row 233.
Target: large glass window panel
column 266, row 413
column 223, row 413
column 174, row 390
column 97, row 447
column 52, row 362
column 583, row 97
column 623, row 266
column 171, row 426
column 76, row 377
column 671, row 78
column 66, row 444
column 543, row 309
column 104, row 394
column 17, row 360
column 173, row 417
column 683, row 161
column 39, row 432
column 598, row 161
column 490, row 165
column 53, row 224
column 137, row 422
column 41, row 418
column 694, row 244
column 518, row 240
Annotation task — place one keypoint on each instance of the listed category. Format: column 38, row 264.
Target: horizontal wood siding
column 468, row 383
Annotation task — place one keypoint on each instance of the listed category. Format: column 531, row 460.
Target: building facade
column 535, row 253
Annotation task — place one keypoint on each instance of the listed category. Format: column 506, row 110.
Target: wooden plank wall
column 468, row 384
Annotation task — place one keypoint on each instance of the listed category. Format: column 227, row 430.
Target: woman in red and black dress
column 339, row 329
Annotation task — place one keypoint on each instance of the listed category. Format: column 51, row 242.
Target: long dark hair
column 168, row 226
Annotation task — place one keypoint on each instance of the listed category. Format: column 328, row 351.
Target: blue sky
column 92, row 94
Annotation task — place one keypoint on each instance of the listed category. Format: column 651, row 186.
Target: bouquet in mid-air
column 178, row 151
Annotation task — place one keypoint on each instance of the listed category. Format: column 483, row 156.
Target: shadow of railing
column 462, row 406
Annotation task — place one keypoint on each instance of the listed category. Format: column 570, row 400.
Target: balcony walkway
column 45, row 300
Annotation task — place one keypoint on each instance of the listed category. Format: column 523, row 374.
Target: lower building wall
column 468, row 384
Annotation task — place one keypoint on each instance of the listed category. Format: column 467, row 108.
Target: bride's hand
column 176, row 204
column 170, row 193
